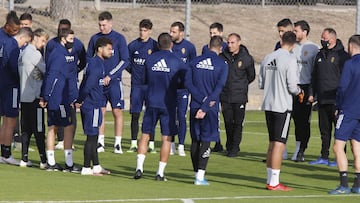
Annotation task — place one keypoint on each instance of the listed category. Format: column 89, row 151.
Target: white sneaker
column 43, row 165
column 100, row 170
column 25, row 164
column 181, row 150
column 2, row 160
column 11, row 160
column 172, row 149
column 100, row 149
column 86, row 171
column 117, row 149
column 60, row 145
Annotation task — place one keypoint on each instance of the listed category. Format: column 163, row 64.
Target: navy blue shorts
column 9, row 102
column 91, row 120
column 114, row 94
column 278, row 126
column 60, row 117
column 137, row 98
column 347, row 128
column 167, row 121
column 206, row 129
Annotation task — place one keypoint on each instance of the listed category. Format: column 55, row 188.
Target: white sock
column 133, row 143
column 195, row 174
column 268, row 171
column 274, row 181
column 297, row 147
column 200, row 175
column 140, row 162
column 151, row 144
column 50, row 157
column 101, row 140
column 118, row 140
column 161, row 170
column 68, row 157
column 181, row 147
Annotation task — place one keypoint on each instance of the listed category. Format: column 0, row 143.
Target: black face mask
column 69, row 45
column 324, row 44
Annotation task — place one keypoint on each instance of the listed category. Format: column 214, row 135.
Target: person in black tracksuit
column 325, row 79
column 234, row 96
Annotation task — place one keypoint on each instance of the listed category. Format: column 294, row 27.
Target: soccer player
column 348, row 122
column 215, row 29
column 26, row 20
column 186, row 51
column 11, row 39
column 305, row 52
column 235, row 92
column 79, row 52
column 283, row 26
column 164, row 72
column 112, row 82
column 59, row 92
column 139, row 50
column 31, row 71
column 279, row 80
column 90, row 94
column 208, row 74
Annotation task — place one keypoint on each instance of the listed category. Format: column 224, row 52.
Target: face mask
column 324, row 44
column 69, row 45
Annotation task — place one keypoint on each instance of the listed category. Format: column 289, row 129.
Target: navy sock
column 357, row 180
column 344, row 178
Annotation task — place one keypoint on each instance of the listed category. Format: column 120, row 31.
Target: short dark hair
column 26, row 31
column 355, row 40
column 236, row 35
column 65, row 32
column 330, row 31
column 289, row 38
column 101, row 42
column 164, row 41
column 146, row 23
column 26, row 16
column 218, row 26
column 65, row 22
column 106, row 15
column 284, row 22
column 303, row 25
column 180, row 25
column 215, row 41
column 12, row 18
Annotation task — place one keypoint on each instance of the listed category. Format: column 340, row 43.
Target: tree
column 68, row 9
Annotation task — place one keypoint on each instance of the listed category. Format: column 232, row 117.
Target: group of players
column 163, row 74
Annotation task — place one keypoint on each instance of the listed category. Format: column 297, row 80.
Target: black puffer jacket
column 241, row 74
column 326, row 73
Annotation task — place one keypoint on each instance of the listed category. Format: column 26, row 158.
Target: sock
column 297, row 147
column 118, row 140
column 68, row 157
column 133, row 143
column 161, row 169
column 274, row 180
column 268, row 170
column 101, row 140
column 50, row 157
column 356, row 180
column 140, row 162
column 181, row 147
column 344, row 178
column 195, row 174
column 151, row 144
column 200, row 175
column 6, row 150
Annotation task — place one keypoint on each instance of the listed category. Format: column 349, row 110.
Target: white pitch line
column 189, row 200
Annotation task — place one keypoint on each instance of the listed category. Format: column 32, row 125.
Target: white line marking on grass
column 190, row 200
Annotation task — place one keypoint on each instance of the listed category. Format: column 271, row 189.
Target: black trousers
column 302, row 116
column 234, row 114
column 326, row 121
column 32, row 122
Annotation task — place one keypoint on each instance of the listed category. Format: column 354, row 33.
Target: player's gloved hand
column 301, row 96
column 37, row 74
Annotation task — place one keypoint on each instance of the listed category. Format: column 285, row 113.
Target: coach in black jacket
column 235, row 93
column 325, row 79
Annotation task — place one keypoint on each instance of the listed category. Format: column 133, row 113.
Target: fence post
column 97, row 4
column 357, row 26
column 187, row 19
column 11, row 5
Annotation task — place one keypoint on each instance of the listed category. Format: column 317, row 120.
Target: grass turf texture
column 240, row 179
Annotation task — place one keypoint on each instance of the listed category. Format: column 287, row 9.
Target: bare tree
column 68, row 9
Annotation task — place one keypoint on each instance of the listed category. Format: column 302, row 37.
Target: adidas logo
column 319, row 60
column 160, row 66
column 206, row 153
column 136, row 52
column 205, row 64
column 1, row 51
column 271, row 65
column 118, row 104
